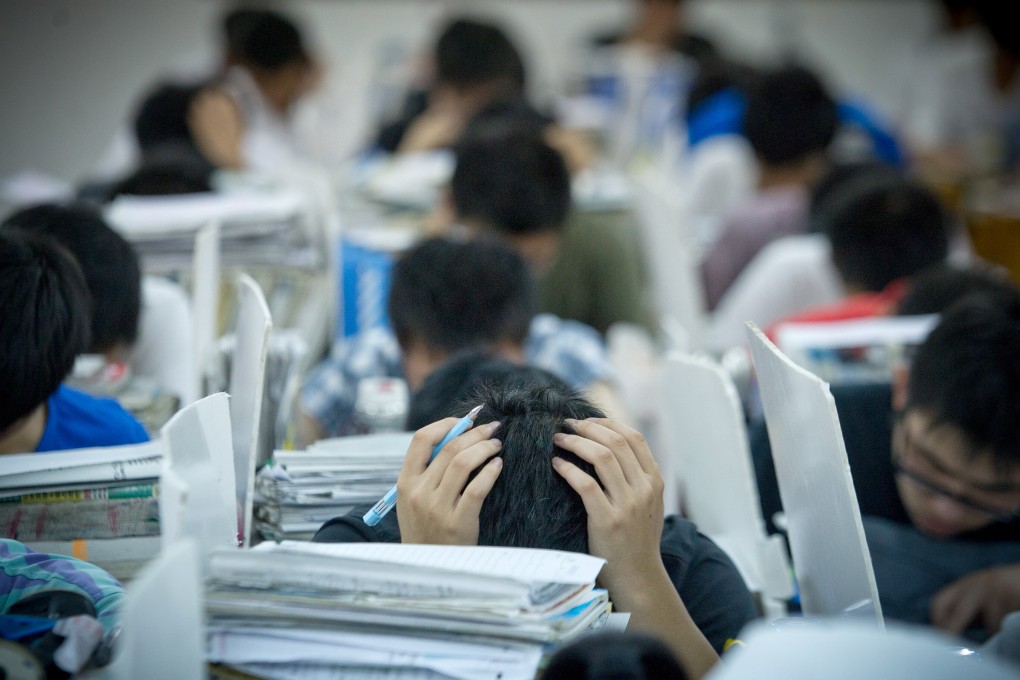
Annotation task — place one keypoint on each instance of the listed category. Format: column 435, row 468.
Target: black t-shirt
column 706, row 579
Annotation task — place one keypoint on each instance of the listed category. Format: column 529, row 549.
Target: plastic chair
column 830, row 554
column 704, row 427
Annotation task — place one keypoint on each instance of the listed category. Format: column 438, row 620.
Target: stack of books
column 297, row 491
column 313, row 610
column 98, row 504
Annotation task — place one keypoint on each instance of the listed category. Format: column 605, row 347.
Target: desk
column 991, row 213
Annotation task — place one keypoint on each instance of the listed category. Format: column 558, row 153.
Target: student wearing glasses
column 937, row 476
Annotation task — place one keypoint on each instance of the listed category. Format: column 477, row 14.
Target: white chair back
column 205, row 296
column 247, row 384
column 830, row 554
column 197, row 497
column 704, row 424
column 163, row 634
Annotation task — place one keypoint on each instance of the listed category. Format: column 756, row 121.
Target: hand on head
column 625, row 511
column 436, row 502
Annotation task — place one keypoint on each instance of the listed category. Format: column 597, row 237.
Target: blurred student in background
column 141, row 325
column 448, row 296
column 45, row 326
column 790, row 119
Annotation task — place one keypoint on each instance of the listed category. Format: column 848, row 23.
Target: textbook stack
column 300, row 490
column 97, row 504
column 313, row 610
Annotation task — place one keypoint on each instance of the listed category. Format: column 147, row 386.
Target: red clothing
column 860, row 306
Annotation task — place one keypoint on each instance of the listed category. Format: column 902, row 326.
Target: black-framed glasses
column 901, row 442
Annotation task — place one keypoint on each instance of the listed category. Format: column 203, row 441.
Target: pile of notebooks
column 312, row 610
column 97, row 504
column 297, row 491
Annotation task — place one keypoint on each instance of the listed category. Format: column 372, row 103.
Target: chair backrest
column 704, row 425
column 197, row 497
column 672, row 259
column 806, row 649
column 830, row 554
column 162, row 620
column 247, row 385
column 205, row 297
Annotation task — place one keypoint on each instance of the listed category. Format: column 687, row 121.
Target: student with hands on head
column 541, row 468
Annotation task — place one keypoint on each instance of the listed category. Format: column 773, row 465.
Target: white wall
column 70, row 70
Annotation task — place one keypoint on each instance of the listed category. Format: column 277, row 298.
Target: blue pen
column 387, row 502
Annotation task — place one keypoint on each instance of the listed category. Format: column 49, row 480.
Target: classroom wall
column 70, row 70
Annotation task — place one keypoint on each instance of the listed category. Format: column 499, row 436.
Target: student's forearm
column 656, row 609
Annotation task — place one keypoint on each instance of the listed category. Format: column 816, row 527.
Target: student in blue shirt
column 44, row 327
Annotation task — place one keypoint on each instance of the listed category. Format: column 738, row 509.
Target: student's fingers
column 955, row 606
column 595, row 502
column 460, row 468
column 615, row 442
column 638, row 443
column 424, row 440
column 437, row 469
column 475, row 493
column 606, row 465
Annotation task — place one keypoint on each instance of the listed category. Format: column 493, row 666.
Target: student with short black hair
column 510, row 181
column 543, row 468
column 475, row 63
column 109, row 263
column 884, row 228
column 447, row 296
column 44, row 327
column 790, row 119
column 935, row 458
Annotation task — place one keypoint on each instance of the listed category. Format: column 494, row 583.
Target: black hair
column 614, row 655
column 838, row 175
column 715, row 75
column 937, row 288
column 262, row 38
column 170, row 169
column 531, row 505
column 469, row 53
column 966, row 374
column 884, row 227
column 161, row 117
column 457, row 380
column 789, row 116
column 506, row 115
column 510, row 179
column 453, row 295
column 109, row 263
column 44, row 326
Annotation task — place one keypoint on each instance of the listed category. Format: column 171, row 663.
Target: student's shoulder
column 351, row 528
column 548, row 327
column 76, row 419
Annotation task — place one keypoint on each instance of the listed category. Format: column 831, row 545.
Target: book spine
column 85, row 495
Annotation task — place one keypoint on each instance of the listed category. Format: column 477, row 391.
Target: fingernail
column 497, row 442
column 570, row 421
column 493, row 426
column 559, row 437
column 557, row 461
column 497, row 463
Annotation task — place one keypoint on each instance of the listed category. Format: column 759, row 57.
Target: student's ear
column 900, row 382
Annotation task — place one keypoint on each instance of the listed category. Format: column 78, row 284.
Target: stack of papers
column 318, row 610
column 100, row 504
column 857, row 350
column 256, row 227
column 300, row 490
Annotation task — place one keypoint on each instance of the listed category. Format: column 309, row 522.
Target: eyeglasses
column 902, row 449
